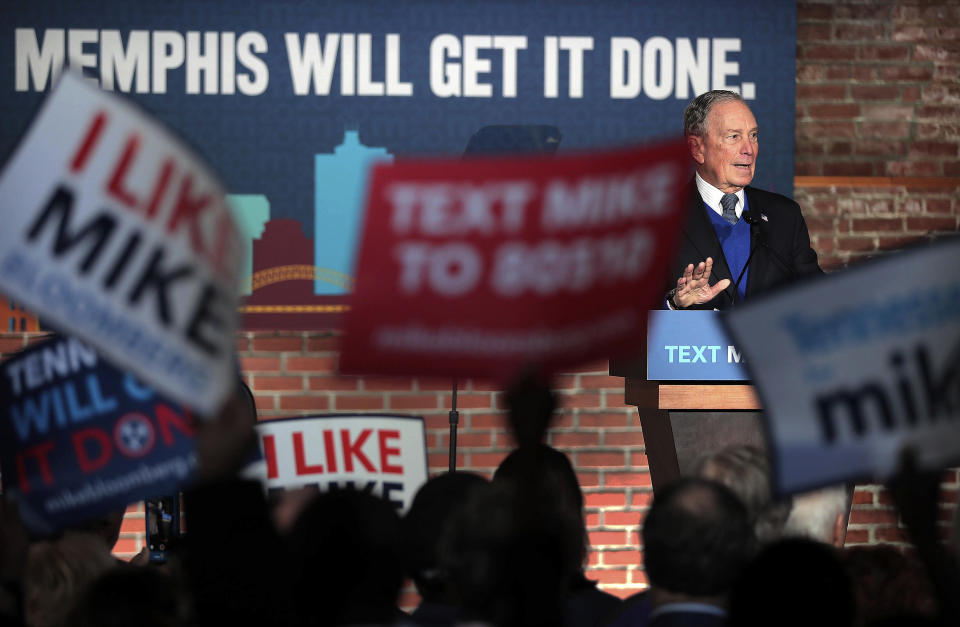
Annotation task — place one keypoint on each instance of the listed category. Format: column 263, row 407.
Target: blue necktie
column 729, row 204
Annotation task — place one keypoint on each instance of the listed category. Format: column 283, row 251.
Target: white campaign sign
column 853, row 367
column 383, row 454
column 114, row 231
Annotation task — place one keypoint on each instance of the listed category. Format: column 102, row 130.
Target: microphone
column 755, row 221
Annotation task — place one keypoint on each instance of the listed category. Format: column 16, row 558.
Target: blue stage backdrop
column 292, row 101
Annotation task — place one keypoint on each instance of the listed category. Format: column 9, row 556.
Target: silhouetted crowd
column 508, row 552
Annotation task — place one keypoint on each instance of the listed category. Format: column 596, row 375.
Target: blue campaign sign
column 291, row 102
column 691, row 346
column 81, row 438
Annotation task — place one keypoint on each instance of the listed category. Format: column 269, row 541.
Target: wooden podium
column 681, row 421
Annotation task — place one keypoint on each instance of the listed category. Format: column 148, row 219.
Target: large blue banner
column 291, row 101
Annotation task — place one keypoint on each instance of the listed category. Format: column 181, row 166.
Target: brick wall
column 878, row 124
column 878, row 129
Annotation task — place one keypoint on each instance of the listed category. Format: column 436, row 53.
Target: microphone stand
column 454, row 416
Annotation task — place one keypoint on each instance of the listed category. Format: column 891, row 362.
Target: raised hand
column 693, row 288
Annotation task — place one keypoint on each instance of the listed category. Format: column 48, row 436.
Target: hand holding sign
column 115, row 232
column 476, row 268
column 856, row 366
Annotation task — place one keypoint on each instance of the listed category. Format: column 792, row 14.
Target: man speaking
column 738, row 240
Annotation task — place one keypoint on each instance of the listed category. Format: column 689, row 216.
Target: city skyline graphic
column 294, row 281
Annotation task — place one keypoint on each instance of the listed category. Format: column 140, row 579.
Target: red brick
column 261, row 364
column 601, row 381
column 363, row 402
column 852, row 168
column 620, row 558
column 807, row 168
column 605, row 499
column 632, row 437
column 933, row 149
column 264, row 382
column 914, row 168
column 881, row 148
column 592, row 521
column 439, row 462
column 483, row 400
column 884, row 52
column 863, row 497
column 821, row 92
column 907, row 73
column 609, row 419
column 334, row 383
column 862, row 31
column 608, row 576
column 864, row 73
column 320, row 365
column 588, row 479
column 263, row 402
column 808, row 72
column 931, row 224
column 132, row 525
column 861, row 225
column 856, row 243
column 304, row 403
column 240, row 343
column 939, row 205
column 570, row 439
column 836, row 72
column 826, row 52
column 388, row 384
column 857, row 536
column 486, row 460
column 814, row 31
column 323, row 344
column 888, row 111
column 641, row 499
column 627, row 479
column 638, row 460
column 564, row 382
column 948, row 52
column 886, row 130
column 277, row 344
column 608, row 538
column 468, row 439
column 896, row 243
column 621, row 519
column 412, row 401
column 600, row 460
column 579, row 401
column 486, row 421
column 838, row 110
column 891, row 534
column 127, row 546
column 874, row 92
column 873, row 516
column 639, row 577
column 910, row 93
column 827, row 130
column 863, row 12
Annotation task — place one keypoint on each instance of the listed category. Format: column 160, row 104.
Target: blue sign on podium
column 691, row 346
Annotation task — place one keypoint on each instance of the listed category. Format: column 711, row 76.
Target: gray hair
column 815, row 513
column 695, row 115
column 746, row 471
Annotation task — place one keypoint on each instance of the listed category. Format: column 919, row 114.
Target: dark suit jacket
column 784, row 231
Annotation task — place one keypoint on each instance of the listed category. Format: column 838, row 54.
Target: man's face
column 726, row 155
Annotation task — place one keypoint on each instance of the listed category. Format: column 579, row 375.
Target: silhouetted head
column 696, row 538
column 430, row 513
column 345, row 554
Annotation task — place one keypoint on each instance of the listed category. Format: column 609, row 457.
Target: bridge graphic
column 298, row 272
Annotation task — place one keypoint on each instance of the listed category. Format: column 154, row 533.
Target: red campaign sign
column 476, row 268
